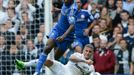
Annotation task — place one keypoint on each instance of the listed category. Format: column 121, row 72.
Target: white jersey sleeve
column 78, row 55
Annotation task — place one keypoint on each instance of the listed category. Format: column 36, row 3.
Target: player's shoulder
column 77, row 54
column 85, row 11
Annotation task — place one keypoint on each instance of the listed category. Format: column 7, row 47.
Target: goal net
column 22, row 33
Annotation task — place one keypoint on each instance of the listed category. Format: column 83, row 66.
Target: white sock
column 31, row 63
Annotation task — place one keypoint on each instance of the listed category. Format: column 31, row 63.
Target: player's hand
column 86, row 32
column 90, row 62
column 60, row 38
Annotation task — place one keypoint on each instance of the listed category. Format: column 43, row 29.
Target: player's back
column 64, row 21
column 83, row 19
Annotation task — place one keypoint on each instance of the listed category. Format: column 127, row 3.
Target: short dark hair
column 124, row 11
column 89, row 46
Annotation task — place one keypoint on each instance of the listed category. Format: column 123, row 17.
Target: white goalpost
column 48, row 16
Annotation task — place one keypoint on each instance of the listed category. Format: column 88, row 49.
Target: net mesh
column 21, row 34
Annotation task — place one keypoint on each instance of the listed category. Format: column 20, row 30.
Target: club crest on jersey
column 82, row 16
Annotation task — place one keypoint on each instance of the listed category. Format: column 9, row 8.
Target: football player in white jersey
column 78, row 64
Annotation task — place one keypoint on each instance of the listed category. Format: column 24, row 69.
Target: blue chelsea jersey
column 66, row 18
column 83, row 19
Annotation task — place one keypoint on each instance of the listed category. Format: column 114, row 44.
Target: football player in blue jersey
column 60, row 36
column 83, row 23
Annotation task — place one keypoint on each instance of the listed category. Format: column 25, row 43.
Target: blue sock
column 41, row 62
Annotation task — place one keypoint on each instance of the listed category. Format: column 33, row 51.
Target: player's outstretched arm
column 77, row 58
column 61, row 38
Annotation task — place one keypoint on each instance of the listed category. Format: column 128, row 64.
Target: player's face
column 87, row 52
column 79, row 3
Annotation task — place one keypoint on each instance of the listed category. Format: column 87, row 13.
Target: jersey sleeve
column 78, row 55
column 90, row 17
column 71, row 19
column 71, row 15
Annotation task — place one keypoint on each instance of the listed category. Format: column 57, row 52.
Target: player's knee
column 59, row 53
column 48, row 49
column 48, row 63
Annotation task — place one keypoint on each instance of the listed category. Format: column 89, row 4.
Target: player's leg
column 61, row 48
column 54, row 66
column 59, row 53
column 79, row 43
column 50, row 44
column 21, row 65
column 50, row 58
